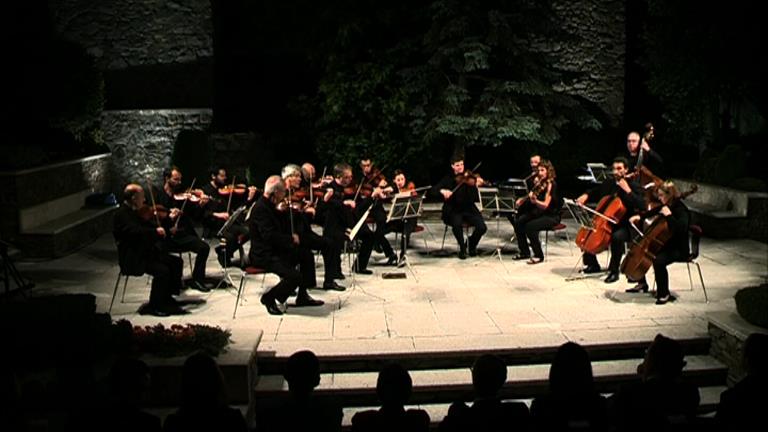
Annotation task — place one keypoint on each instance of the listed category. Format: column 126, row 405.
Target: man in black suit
column 137, row 244
column 275, row 248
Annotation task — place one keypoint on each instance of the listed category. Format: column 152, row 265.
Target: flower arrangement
column 177, row 339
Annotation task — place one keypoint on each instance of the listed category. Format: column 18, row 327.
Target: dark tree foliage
column 401, row 79
column 702, row 66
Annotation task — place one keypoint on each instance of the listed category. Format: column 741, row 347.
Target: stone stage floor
column 451, row 304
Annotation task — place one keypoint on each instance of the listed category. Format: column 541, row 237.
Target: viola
column 149, row 213
column 640, row 257
column 238, row 189
column 194, row 195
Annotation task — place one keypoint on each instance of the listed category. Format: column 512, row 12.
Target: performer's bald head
column 133, row 194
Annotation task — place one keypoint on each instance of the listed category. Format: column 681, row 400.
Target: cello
column 594, row 240
column 640, row 257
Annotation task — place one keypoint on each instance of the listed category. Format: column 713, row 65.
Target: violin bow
column 473, row 169
column 325, row 168
column 231, row 191
column 186, row 198
column 152, row 197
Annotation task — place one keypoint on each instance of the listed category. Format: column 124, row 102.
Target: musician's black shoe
column 640, row 287
column 199, row 286
column 591, row 269
column 377, row 248
column 364, row 271
column 612, row 277
column 520, row 257
column 462, row 254
column 306, row 300
column 391, row 261
column 473, row 252
column 666, row 299
column 271, row 306
column 162, row 310
column 333, row 286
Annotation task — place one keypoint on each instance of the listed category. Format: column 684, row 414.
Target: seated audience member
column 661, row 400
column 741, row 407
column 300, row 411
column 204, row 406
column 488, row 412
column 128, row 383
column 572, row 402
column 393, row 388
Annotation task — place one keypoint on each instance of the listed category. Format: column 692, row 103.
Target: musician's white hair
column 290, row 170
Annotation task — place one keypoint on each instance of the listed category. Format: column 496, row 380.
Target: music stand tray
column 405, row 206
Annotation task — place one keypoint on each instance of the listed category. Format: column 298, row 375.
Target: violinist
column 676, row 248
column 459, row 191
column 636, row 143
column 538, row 211
column 183, row 237
column 406, row 227
column 273, row 247
column 303, row 215
column 137, row 236
column 374, row 189
column 530, row 180
column 315, row 188
column 630, row 194
column 340, row 216
column 216, row 214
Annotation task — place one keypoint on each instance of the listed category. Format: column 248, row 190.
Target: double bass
column 640, row 257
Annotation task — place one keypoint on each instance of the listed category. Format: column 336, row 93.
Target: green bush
column 752, row 304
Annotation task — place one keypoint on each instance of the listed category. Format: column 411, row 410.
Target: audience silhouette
column 572, row 402
column 488, row 412
column 742, row 407
column 393, row 388
column 204, row 405
column 300, row 411
column 661, row 400
column 129, row 381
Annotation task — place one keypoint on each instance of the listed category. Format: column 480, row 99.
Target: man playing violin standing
column 303, row 213
column 538, row 211
column 676, row 248
column 216, row 213
column 630, row 194
column 182, row 236
column 374, row 189
column 138, row 237
column 459, row 190
column 340, row 216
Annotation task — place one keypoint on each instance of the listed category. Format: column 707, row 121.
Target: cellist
column 630, row 193
column 676, row 248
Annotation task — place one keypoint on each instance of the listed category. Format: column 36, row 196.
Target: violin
column 148, row 212
column 193, row 195
column 539, row 187
column 234, row 189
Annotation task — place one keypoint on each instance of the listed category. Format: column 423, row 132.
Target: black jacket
column 633, row 200
column 270, row 232
column 136, row 240
column 463, row 198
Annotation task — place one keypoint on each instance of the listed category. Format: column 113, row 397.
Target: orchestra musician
column 137, row 236
column 406, row 226
column 273, row 246
column 304, row 213
column 630, row 194
column 459, row 191
column 676, row 248
column 538, row 211
column 216, row 214
column 182, row 237
column 635, row 143
column 376, row 188
column 534, row 161
column 339, row 217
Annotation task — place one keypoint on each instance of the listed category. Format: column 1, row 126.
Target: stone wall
column 143, row 141
column 601, row 52
column 123, row 33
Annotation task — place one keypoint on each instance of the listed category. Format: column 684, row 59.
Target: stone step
column 444, row 385
column 710, row 397
column 67, row 233
column 273, row 362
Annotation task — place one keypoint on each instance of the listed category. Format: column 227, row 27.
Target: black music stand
column 227, row 278
column 9, row 272
column 404, row 206
column 497, row 201
column 596, row 173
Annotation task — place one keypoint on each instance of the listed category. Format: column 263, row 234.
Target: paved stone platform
column 479, row 303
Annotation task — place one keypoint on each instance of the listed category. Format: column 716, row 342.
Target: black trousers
column 527, row 228
column 380, row 218
column 336, row 222
column 455, row 219
column 166, row 277
column 405, row 228
column 188, row 242
column 310, row 241
column 660, row 263
column 619, row 237
column 283, row 266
